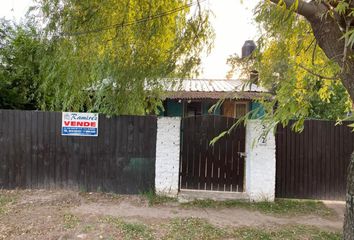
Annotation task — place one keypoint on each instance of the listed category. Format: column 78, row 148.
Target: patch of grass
column 70, row 221
column 193, row 228
column 278, row 207
column 154, row 199
column 88, row 228
column 294, row 207
column 130, row 230
column 4, row 201
column 289, row 232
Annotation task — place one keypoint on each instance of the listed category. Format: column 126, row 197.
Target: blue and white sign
column 79, row 124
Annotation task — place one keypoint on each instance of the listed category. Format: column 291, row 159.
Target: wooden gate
column 204, row 167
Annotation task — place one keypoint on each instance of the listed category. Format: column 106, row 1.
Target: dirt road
column 41, row 214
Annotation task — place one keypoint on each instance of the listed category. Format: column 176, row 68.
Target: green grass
column 154, row 199
column 88, row 228
column 130, row 230
column 193, row 228
column 4, row 201
column 288, row 232
column 278, row 207
column 70, row 221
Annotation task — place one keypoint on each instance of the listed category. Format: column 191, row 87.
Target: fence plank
column 210, row 153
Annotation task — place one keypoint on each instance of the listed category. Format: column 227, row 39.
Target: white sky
column 232, row 22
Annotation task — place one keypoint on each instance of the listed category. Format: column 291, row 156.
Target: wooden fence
column 33, row 154
column 204, row 167
column 313, row 164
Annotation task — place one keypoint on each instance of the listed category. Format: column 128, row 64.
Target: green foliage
column 334, row 108
column 20, row 56
column 130, row 230
column 288, row 232
column 304, row 81
column 106, row 54
column 193, row 228
column 70, row 221
column 278, row 207
column 155, row 199
column 4, row 201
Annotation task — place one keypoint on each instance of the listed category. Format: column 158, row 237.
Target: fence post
column 167, row 155
column 260, row 162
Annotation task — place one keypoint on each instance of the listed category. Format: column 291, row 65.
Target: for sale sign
column 79, row 124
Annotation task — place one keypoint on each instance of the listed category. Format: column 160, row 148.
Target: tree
column 107, row 54
column 20, row 55
column 330, row 22
column 283, row 61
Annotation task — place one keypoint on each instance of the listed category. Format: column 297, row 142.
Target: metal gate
column 205, row 167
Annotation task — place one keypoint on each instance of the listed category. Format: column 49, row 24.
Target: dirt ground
column 43, row 214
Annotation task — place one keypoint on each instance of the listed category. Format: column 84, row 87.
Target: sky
column 232, row 22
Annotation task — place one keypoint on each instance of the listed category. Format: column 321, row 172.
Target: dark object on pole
column 248, row 47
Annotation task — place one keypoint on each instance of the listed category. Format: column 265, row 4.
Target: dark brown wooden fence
column 203, row 167
column 33, row 154
column 313, row 164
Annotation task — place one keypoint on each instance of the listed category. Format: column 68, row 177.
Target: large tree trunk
column 348, row 232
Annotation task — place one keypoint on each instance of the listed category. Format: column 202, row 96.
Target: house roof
column 212, row 89
column 200, row 88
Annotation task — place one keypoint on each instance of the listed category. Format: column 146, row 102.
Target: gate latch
column 241, row 154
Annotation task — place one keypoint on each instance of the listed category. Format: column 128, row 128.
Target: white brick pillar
column 260, row 162
column 167, row 155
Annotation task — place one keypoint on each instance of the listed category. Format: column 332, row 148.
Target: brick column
column 167, row 155
column 260, row 162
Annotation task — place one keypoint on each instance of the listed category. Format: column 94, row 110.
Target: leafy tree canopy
column 105, row 54
column 20, row 51
column 305, row 83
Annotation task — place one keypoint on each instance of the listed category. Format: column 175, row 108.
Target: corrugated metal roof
column 210, row 85
column 215, row 95
column 200, row 88
column 211, row 88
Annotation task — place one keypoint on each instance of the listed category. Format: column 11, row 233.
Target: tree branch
column 318, row 75
column 305, row 9
column 314, row 54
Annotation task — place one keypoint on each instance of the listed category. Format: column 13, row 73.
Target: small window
column 241, row 110
column 228, row 108
column 193, row 109
column 207, row 106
